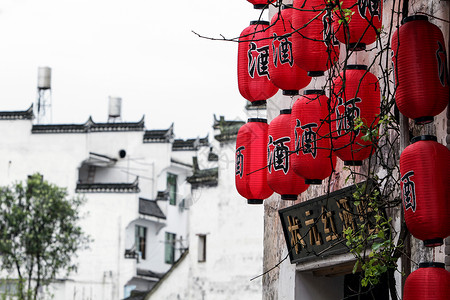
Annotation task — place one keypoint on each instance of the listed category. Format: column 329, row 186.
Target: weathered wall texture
column 279, row 283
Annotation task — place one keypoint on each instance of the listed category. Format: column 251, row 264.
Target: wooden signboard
column 314, row 228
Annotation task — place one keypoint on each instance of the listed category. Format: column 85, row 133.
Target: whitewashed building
column 134, row 181
column 226, row 234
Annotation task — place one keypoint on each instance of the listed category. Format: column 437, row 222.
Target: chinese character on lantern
column 260, row 62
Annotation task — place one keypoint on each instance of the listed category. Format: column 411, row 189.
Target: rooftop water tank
column 44, row 78
column 115, row 107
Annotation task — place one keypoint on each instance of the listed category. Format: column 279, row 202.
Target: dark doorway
column 353, row 288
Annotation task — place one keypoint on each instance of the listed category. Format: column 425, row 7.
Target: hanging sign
column 315, row 228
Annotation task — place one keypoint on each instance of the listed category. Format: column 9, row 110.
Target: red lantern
column 359, row 98
column 253, row 64
column 313, row 158
column 281, row 177
column 260, row 4
column 425, row 185
column 430, row 281
column 283, row 72
column 251, row 159
column 314, row 47
column 420, row 69
column 362, row 27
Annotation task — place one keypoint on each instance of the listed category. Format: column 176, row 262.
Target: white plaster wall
column 184, row 156
column 154, row 258
column 234, row 243
column 103, row 270
column 107, row 217
column 234, row 232
column 175, row 286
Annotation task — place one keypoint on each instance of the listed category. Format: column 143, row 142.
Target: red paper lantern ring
column 314, row 47
column 283, row 72
column 313, row 158
column 281, row 177
column 251, row 159
column 359, row 98
column 420, row 66
column 363, row 26
column 253, row 64
column 261, row 4
column 425, row 185
column 430, row 281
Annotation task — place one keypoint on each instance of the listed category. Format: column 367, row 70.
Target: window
column 172, row 188
column 170, row 248
column 140, row 233
column 201, row 248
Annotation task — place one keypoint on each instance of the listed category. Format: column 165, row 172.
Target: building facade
column 134, row 183
column 225, row 254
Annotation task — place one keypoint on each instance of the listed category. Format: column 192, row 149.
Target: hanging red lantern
column 283, row 72
column 425, row 185
column 314, row 47
column 362, row 26
column 261, row 4
column 253, row 63
column 281, row 177
column 430, row 281
column 358, row 98
column 251, row 159
column 313, row 158
column 420, row 69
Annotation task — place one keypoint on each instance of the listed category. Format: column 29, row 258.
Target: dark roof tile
column 150, row 208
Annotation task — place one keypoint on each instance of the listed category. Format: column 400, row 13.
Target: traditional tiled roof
column 207, row 177
column 228, row 129
column 189, row 144
column 108, row 187
column 148, row 273
column 150, row 208
column 174, row 161
column 162, row 195
column 159, row 135
column 212, row 156
column 136, row 295
column 89, row 126
column 201, row 178
column 17, row 115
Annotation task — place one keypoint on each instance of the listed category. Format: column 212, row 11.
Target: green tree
column 39, row 234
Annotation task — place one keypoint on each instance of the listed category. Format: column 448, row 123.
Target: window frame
column 172, row 180
column 201, row 257
column 140, row 239
column 169, row 249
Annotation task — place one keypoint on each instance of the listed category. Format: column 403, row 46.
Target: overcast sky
column 142, row 51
